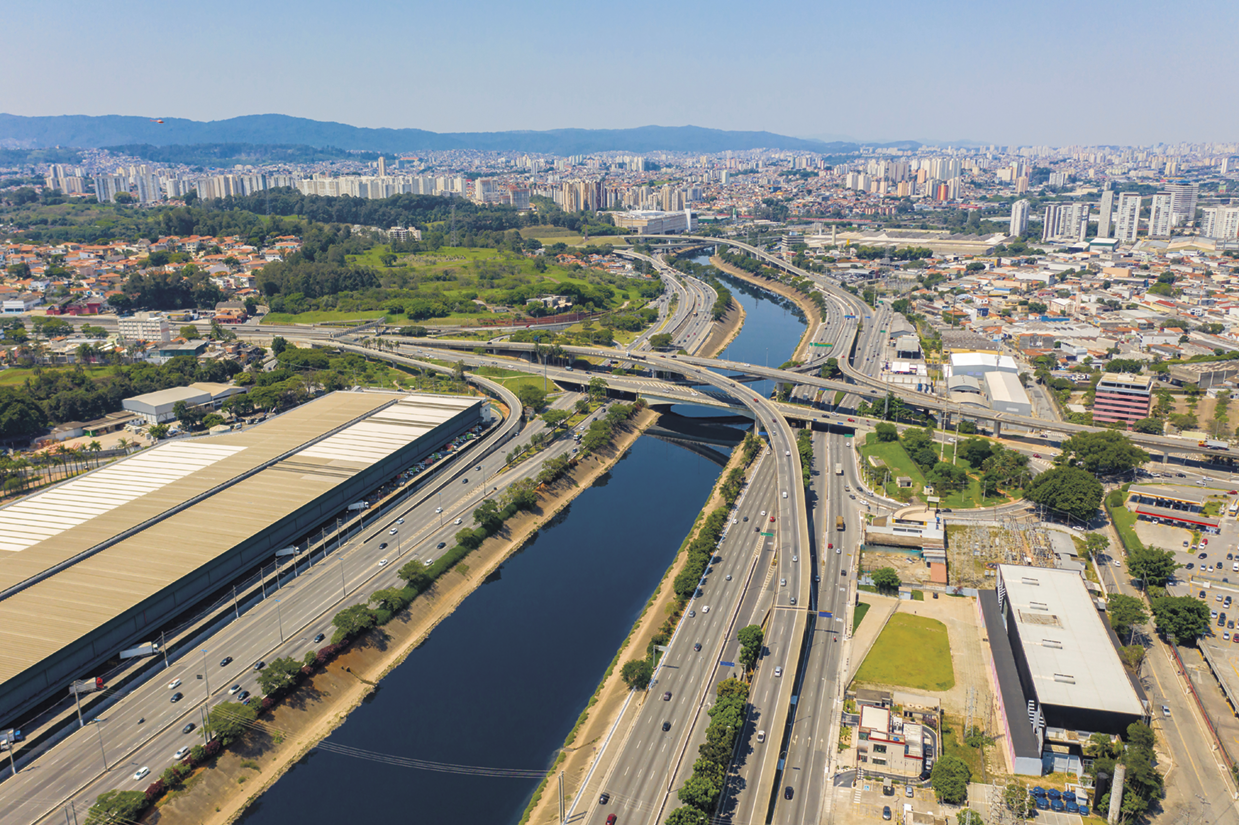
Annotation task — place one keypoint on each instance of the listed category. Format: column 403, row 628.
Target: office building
column 1107, row 212
column 1161, row 217
column 656, row 223
column 1128, row 218
column 1182, row 202
column 1019, row 218
column 1122, row 397
column 151, row 327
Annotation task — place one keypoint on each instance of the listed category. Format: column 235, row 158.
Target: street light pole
column 343, row 584
column 102, row 752
column 206, row 675
column 279, row 619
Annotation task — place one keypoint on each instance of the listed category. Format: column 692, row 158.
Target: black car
column 243, row 695
column 176, row 697
column 319, row 638
column 666, row 726
column 886, row 812
column 604, row 798
column 788, row 792
column 227, row 660
column 697, row 646
column 189, row 726
column 383, row 546
column 442, row 544
column 259, row 665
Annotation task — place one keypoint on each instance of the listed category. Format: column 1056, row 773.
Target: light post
column 279, row 620
column 102, row 752
column 207, row 678
column 343, row 583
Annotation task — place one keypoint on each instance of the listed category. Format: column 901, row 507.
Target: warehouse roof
column 79, row 553
column 1070, row 656
column 1005, row 387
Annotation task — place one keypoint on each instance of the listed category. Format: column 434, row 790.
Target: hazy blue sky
column 1055, row 71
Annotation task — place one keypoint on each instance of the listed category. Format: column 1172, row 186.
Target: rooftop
column 1067, row 646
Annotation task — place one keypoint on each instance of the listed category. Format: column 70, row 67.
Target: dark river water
column 501, row 682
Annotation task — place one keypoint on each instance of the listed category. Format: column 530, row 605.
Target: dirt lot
column 911, row 569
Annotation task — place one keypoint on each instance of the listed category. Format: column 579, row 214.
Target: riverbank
column 581, row 749
column 221, row 793
column 725, row 331
column 812, row 316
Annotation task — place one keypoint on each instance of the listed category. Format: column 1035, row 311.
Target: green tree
column 1150, row 426
column 661, row 340
column 950, row 777
column 1068, row 490
column 637, row 673
column 390, row 599
column 279, row 675
column 886, row 580
column 158, row 431
column 1125, row 613
column 975, row 451
column 350, row 621
column 487, row 516
column 531, row 396
column 1152, row 565
column 415, row 575
column 1017, row 800
column 116, row 808
column 831, row 370
column 278, row 345
column 597, row 388
column 190, row 332
column 751, row 640
column 947, row 477
column 887, row 431
column 1181, row 618
column 522, row 494
column 1095, row 543
column 969, row 817
column 1102, row 453
column 700, row 791
column 229, row 721
column 686, row 815
column 212, row 420
column 555, row 418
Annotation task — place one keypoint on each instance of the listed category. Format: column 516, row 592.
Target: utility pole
column 279, row 620
column 104, row 753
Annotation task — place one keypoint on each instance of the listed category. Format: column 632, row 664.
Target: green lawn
column 18, row 375
column 897, row 461
column 912, row 652
column 321, row 316
column 861, row 609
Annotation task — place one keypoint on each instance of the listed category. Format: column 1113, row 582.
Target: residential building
column 1161, row 218
column 1221, row 223
column 1019, row 218
column 1128, row 217
column 1122, row 397
column 1107, row 212
column 1065, row 222
column 151, row 327
column 1183, row 202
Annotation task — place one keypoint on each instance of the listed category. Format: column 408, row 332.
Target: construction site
column 975, row 551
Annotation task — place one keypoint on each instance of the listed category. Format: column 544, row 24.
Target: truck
column 838, row 522
column 838, row 469
column 358, row 505
column 1214, row 444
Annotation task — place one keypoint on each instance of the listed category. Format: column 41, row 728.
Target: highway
column 646, row 764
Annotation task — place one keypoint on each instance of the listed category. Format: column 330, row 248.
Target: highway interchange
column 643, row 766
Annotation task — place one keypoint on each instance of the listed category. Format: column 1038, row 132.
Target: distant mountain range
column 111, row 130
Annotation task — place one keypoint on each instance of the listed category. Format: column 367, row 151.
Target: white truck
column 838, row 469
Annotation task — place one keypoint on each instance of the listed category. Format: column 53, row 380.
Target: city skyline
column 950, row 73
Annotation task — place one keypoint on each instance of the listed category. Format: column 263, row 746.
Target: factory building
column 92, row 565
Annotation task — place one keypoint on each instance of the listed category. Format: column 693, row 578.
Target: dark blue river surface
column 502, row 680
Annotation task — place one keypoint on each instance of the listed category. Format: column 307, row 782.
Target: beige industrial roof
column 55, row 526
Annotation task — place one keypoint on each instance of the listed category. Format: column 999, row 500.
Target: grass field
column 897, row 461
column 912, row 652
column 548, row 235
column 321, row 316
column 16, row 376
column 861, row 609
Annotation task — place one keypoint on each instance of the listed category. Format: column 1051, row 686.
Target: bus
column 838, row 522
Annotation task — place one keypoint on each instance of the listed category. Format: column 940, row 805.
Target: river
column 502, row 680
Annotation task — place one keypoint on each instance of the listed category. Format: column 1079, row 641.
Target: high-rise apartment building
column 1161, row 218
column 1019, row 218
column 1221, row 223
column 1128, row 218
column 107, row 187
column 1107, row 211
column 1065, row 222
column 1182, row 202
column 382, row 166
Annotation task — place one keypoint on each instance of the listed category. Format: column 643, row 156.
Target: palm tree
column 95, row 448
column 123, row 443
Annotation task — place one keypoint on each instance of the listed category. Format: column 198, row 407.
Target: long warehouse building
column 98, row 562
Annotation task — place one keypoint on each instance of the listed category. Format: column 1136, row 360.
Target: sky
column 1057, row 72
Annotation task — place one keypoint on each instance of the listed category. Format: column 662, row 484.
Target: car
column 1230, row 556
column 667, row 696
column 830, row 545
column 181, row 752
column 692, row 614
column 382, row 562
column 1226, row 636
column 176, row 697
column 174, row 684
column 141, row 773
column 611, row 820
column 393, row 531
column 243, row 695
column 705, row 609
column 763, row 512
column 1188, row 566
column 259, row 665
column 1036, row 455
column 235, row 689
column 458, row 521
column 224, row 662
column 788, row 792
column 761, row 736
column 1202, row 595
column 817, row 577
column 772, row 519
column 787, row 453
column 438, row 509
column 888, row 790
column 666, row 726
column 851, row 420
column 793, row 599
column 1204, row 542
column 319, row 638
column 728, row 577
column 1203, row 556
column 886, row 812
column 1212, row 614
column 604, row 798
column 778, row 671
column 189, row 726
column 441, row 545
column 383, row 546
column 746, row 518
column 478, row 468
column 400, row 521
column 907, row 791
column 1232, row 492
column 782, row 582
column 1186, row 543
column 795, row 558
column 697, row 646
column 464, row 481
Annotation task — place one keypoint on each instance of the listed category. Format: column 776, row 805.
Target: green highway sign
column 768, row 535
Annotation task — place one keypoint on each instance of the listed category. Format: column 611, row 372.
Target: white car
column 234, row 689
column 705, row 609
column 175, row 683
column 181, row 754
column 400, row 521
column 141, row 773
column 393, row 531
column 458, row 521
column 382, row 562
column 438, row 509
column 795, row 558
column 778, row 671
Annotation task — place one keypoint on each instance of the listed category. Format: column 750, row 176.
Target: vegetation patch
column 912, row 652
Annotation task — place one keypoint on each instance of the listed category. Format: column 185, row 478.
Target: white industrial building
column 656, row 223
column 1006, row 393
column 979, row 363
column 157, row 407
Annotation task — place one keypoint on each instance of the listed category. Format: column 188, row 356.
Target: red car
column 1233, row 493
column 772, row 518
column 830, row 545
column 1036, row 455
column 853, row 420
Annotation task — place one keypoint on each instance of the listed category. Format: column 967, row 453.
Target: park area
column 884, row 462
column 911, row 652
